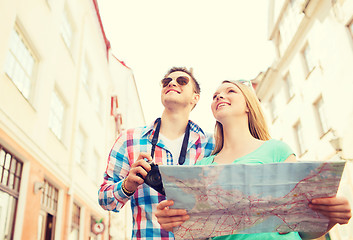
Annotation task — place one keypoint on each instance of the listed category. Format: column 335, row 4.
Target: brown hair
column 183, row 69
column 256, row 120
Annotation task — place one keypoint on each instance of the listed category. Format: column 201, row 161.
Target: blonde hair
column 256, row 120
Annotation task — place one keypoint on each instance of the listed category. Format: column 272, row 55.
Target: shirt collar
column 149, row 129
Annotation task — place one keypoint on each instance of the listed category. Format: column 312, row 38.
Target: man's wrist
column 127, row 192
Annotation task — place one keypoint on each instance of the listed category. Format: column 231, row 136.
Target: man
column 179, row 141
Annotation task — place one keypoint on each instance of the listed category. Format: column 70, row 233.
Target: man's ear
column 196, row 98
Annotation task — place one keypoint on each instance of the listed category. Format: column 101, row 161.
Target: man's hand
column 170, row 218
column 140, row 166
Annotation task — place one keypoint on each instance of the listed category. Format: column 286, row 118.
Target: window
column 75, row 223
column 350, row 27
column 50, row 3
column 47, row 216
column 20, row 64
column 94, row 166
column 10, row 177
column 278, row 42
column 299, row 135
column 288, row 86
column 273, row 108
column 67, row 29
column 80, row 146
column 307, row 57
column 56, row 115
column 289, row 24
column 85, row 74
column 97, row 101
column 319, row 106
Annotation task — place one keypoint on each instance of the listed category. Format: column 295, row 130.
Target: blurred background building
column 63, row 99
column 307, row 91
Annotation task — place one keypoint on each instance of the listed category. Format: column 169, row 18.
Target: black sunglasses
column 182, row 81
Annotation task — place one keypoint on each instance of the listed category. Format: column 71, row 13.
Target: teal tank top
column 269, row 152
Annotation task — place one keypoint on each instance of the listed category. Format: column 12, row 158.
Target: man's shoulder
column 197, row 129
column 134, row 132
column 205, row 137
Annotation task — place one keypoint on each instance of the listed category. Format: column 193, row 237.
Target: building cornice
column 106, row 41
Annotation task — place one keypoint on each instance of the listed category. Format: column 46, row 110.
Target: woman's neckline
column 250, row 153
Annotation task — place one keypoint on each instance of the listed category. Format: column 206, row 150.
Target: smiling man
column 170, row 140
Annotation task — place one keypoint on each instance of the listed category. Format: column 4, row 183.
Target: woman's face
column 228, row 101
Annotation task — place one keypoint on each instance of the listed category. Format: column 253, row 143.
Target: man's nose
column 172, row 83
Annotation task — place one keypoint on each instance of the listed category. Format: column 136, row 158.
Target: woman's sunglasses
column 246, row 82
column 182, row 81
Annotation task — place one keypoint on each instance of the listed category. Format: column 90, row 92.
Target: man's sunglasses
column 182, row 81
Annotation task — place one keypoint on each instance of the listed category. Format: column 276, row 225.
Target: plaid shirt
column 144, row 201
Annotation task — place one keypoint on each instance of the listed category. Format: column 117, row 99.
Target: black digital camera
column 154, row 178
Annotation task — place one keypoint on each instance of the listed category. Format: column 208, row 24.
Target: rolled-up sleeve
column 110, row 195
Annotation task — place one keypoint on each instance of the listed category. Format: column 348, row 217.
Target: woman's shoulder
column 281, row 150
column 206, row 160
column 277, row 143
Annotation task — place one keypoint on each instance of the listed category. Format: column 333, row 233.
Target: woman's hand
column 170, row 218
column 336, row 209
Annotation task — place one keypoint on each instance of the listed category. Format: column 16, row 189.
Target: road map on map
column 245, row 198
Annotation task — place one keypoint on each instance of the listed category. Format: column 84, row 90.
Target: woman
column 242, row 136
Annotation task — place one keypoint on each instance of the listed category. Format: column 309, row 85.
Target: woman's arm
column 336, row 209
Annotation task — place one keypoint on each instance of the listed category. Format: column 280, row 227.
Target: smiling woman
column 240, row 133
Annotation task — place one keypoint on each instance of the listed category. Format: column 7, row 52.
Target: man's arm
column 121, row 179
column 111, row 196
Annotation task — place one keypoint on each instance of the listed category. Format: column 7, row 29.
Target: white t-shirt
column 174, row 146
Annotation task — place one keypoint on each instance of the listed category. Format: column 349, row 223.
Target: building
column 59, row 116
column 307, row 91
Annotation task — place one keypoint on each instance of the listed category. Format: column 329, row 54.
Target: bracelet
column 127, row 192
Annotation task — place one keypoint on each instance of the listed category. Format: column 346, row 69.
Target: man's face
column 178, row 91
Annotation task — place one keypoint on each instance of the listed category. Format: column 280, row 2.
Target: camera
column 154, row 178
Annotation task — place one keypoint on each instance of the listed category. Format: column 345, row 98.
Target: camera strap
column 183, row 147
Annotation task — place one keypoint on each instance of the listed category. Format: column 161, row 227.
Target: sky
column 220, row 40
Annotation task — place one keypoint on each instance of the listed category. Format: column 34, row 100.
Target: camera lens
column 153, row 177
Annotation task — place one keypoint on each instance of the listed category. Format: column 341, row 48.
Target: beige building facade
column 307, row 91
column 60, row 111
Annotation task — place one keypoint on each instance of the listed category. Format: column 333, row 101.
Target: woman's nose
column 219, row 96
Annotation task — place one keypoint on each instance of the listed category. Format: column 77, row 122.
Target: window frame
column 67, row 23
column 289, row 86
column 17, row 62
column 350, row 27
column 60, row 134
column 320, row 114
column 12, row 192
column 80, row 149
column 85, row 75
column 299, row 138
column 307, row 59
column 76, row 215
